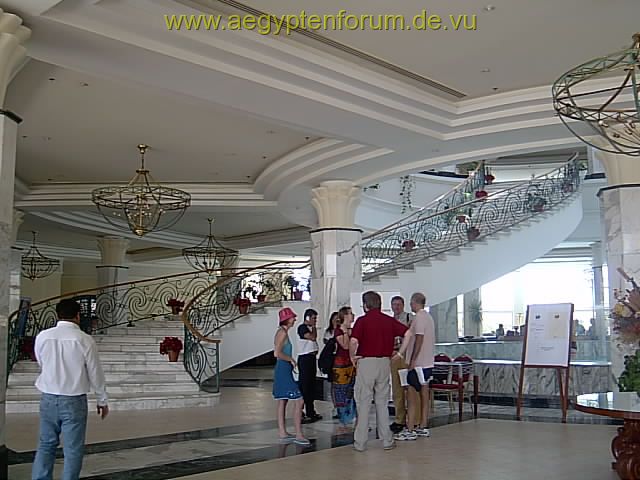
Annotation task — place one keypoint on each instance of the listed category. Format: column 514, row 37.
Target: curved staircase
column 455, row 244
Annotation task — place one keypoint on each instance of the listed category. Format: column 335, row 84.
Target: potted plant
column 262, row 297
column 171, row 346
column 243, row 305
column 408, row 245
column 292, row 283
column 537, row 203
column 473, row 233
column 175, row 305
column 481, row 194
column 27, row 349
column 488, row 178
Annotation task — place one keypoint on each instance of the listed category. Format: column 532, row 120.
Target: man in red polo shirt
column 371, row 349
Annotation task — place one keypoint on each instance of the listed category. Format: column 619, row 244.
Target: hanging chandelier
column 143, row 204
column 209, row 255
column 35, row 265
column 612, row 112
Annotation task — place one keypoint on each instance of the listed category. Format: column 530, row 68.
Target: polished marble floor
column 241, row 431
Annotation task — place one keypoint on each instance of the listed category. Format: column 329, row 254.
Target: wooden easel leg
column 520, row 387
column 563, row 400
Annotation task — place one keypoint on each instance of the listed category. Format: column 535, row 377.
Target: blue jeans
column 66, row 415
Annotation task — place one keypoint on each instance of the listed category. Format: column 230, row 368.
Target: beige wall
column 42, row 288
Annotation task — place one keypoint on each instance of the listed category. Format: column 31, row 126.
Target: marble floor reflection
column 167, row 444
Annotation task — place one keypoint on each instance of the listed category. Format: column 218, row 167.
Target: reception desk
column 497, row 364
column 500, row 378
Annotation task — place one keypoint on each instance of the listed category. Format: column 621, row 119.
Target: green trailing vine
column 629, row 381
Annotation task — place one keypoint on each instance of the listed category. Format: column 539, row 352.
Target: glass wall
column 554, row 281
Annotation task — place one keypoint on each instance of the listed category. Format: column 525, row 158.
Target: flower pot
column 488, row 179
column 244, row 308
column 538, row 208
column 462, row 218
column 568, row 188
column 173, row 356
column 408, row 245
column 473, row 233
column 481, row 195
column 175, row 310
column 262, row 298
column 297, row 295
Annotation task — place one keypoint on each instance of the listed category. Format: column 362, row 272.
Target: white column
column 111, row 303
column 619, row 209
column 336, row 263
column 12, row 55
column 15, row 263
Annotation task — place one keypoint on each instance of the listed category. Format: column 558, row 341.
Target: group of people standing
column 367, row 351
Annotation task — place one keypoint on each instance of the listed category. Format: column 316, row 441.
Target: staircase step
column 31, row 403
column 20, row 391
column 150, row 376
column 129, row 347
column 159, row 365
column 135, row 339
column 107, row 357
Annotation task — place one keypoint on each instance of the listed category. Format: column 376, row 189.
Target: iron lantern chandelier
column 612, row 112
column 145, row 206
column 209, row 255
column 35, row 265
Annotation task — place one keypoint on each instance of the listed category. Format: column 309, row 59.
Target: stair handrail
column 474, row 180
column 406, row 244
column 114, row 304
column 221, row 304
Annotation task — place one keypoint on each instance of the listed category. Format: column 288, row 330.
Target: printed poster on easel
column 547, row 344
column 548, row 337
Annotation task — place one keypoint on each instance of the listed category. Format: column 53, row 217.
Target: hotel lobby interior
column 184, row 181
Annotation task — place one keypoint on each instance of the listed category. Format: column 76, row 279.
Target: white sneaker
column 422, row 432
column 405, row 435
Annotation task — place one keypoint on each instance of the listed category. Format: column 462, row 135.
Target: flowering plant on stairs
column 626, row 324
column 170, row 344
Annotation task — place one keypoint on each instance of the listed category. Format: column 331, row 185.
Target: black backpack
column 327, row 355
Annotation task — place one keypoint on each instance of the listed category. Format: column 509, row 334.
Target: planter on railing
column 441, row 231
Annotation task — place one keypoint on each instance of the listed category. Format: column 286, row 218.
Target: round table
column 626, row 445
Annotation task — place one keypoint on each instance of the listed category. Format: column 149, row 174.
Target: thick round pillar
column 336, row 263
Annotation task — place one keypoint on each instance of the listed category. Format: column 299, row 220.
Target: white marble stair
column 137, row 376
column 462, row 269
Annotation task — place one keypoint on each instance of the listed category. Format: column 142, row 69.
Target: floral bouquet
column 170, row 344
column 626, row 323
column 175, row 305
column 626, row 312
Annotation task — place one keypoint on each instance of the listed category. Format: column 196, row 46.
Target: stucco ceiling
column 79, row 128
column 522, row 43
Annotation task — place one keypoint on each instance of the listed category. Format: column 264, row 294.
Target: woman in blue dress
column 285, row 388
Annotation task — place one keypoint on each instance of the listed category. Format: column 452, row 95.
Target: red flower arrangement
column 481, row 194
column 626, row 312
column 473, row 233
column 171, row 346
column 408, row 245
column 242, row 304
column 488, row 179
column 176, row 305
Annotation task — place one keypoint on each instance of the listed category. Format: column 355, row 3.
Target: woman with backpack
column 343, row 373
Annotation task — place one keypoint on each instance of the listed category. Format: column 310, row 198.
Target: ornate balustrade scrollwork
column 120, row 304
column 220, row 304
column 417, row 238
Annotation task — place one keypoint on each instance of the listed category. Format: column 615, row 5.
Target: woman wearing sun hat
column 285, row 388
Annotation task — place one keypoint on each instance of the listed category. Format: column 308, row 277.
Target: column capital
column 18, row 218
column 113, row 251
column 335, row 202
column 13, row 36
column 620, row 169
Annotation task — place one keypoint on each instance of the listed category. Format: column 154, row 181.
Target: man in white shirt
column 70, row 368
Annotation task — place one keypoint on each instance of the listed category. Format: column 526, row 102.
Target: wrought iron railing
column 458, row 195
column 236, row 294
column 120, row 304
column 418, row 238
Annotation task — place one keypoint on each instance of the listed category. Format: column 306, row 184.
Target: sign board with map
column 547, row 344
column 547, row 341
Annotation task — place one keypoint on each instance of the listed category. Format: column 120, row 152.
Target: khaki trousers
column 400, row 395
column 372, row 383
